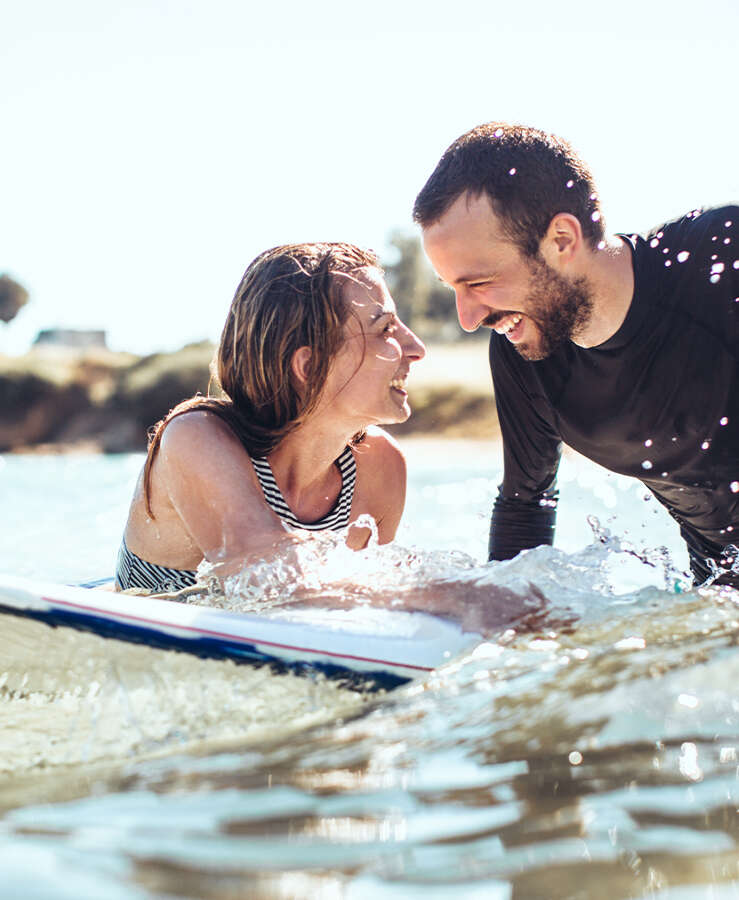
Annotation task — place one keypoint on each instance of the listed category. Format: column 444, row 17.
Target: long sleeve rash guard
column 657, row 401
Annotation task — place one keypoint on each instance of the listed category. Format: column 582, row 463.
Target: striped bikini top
column 134, row 572
column 335, row 518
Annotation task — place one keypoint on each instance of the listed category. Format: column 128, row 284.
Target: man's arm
column 518, row 525
column 525, row 510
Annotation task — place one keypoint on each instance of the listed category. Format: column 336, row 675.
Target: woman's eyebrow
column 383, row 312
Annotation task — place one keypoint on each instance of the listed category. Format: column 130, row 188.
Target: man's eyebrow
column 482, row 276
column 465, row 279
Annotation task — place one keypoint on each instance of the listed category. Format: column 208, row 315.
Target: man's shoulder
column 695, row 226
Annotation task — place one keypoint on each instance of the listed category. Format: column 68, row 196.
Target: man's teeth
column 510, row 324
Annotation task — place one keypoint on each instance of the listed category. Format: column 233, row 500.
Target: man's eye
column 391, row 327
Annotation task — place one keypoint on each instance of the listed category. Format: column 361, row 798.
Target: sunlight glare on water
column 590, row 753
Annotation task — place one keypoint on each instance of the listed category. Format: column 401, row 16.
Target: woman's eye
column 391, row 327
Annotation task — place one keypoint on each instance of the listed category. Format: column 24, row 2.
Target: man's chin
column 531, row 353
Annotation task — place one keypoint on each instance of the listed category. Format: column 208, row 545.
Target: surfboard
column 371, row 647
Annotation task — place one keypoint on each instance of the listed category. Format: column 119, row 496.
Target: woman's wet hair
column 528, row 175
column 289, row 297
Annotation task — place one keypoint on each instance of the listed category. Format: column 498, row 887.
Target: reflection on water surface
column 597, row 760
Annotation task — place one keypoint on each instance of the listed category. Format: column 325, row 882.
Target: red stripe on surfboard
column 234, row 637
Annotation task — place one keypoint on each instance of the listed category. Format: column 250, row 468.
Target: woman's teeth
column 398, row 384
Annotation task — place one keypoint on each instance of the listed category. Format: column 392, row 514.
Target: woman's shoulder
column 195, row 425
column 380, row 454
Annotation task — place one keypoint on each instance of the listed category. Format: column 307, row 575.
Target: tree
column 13, row 297
column 424, row 303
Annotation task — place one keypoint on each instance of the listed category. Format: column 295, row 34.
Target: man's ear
column 301, row 364
column 563, row 241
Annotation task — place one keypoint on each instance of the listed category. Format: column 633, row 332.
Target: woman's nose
column 413, row 346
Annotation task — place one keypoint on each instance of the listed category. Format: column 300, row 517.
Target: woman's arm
column 210, row 482
column 381, row 486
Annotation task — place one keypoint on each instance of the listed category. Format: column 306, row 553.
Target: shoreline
column 411, row 441
column 58, row 400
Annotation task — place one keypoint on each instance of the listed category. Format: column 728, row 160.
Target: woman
column 311, row 358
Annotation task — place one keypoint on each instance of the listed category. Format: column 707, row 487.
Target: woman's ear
column 301, row 364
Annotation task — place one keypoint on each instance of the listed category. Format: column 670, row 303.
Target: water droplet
column 575, row 758
column 593, row 196
column 570, row 183
column 673, row 439
column 727, row 224
column 682, row 255
column 660, row 234
column 648, row 442
column 596, row 216
column 717, row 267
column 601, row 245
column 724, row 420
column 736, row 263
column 512, row 171
column 730, row 528
column 653, row 242
column 666, row 250
column 668, row 262
column 714, row 279
column 498, row 132
column 646, row 464
column 665, row 474
column 705, row 445
column 727, row 240
column 734, row 487
column 714, row 238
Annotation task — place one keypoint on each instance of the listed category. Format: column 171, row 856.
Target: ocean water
column 593, row 755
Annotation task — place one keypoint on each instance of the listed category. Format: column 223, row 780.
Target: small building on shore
column 75, row 338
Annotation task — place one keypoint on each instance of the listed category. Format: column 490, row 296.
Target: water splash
column 727, row 564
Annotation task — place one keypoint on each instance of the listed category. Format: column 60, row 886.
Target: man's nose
column 470, row 312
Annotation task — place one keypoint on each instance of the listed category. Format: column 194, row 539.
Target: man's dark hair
column 528, row 175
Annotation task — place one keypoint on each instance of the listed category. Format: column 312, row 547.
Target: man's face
column 497, row 287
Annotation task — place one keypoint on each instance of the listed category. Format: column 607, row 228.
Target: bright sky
column 151, row 149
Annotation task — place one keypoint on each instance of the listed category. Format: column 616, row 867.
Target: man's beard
column 559, row 308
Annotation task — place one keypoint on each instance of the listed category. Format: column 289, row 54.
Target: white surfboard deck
column 380, row 648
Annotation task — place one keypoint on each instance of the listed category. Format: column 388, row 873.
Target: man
column 625, row 348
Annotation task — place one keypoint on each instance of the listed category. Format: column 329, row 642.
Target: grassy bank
column 57, row 399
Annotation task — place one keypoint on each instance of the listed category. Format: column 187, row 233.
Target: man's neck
column 610, row 275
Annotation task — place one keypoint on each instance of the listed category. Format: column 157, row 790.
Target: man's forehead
column 468, row 211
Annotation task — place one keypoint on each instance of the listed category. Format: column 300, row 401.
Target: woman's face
column 367, row 379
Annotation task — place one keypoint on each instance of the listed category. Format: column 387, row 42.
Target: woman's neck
column 303, row 466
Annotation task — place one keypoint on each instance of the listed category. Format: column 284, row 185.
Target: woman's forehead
column 367, row 295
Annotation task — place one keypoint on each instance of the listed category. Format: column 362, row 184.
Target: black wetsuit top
column 659, row 400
